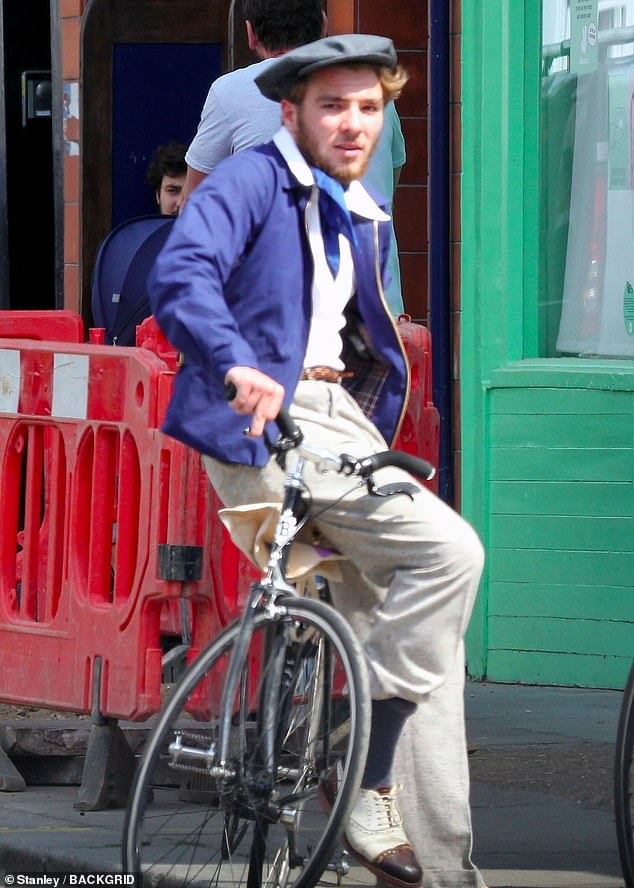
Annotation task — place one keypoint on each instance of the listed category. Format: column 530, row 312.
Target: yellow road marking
column 12, row 829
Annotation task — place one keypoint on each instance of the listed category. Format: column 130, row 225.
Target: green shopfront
column 547, row 336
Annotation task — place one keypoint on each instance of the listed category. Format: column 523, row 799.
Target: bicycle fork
column 214, row 760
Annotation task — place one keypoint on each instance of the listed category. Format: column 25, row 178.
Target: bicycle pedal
column 339, row 866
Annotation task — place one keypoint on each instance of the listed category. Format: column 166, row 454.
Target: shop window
column 587, row 179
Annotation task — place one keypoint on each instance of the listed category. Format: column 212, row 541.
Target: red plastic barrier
column 420, row 432
column 93, row 496
column 60, row 325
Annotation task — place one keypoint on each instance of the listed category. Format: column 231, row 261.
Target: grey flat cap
column 276, row 81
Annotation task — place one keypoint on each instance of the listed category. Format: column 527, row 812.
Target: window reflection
column 587, row 178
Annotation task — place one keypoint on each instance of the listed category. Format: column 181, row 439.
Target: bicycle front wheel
column 272, row 814
column 624, row 782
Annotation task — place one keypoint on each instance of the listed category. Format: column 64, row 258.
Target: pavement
column 542, row 785
column 541, row 763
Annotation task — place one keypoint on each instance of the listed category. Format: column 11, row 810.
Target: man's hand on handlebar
column 251, row 392
column 256, row 395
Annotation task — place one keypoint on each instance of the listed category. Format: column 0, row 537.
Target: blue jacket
column 232, row 286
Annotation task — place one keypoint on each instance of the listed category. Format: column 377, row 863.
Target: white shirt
column 330, row 294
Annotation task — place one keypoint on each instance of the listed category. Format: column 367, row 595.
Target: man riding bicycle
column 272, row 281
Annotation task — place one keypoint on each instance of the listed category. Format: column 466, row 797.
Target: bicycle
column 624, row 782
column 250, row 773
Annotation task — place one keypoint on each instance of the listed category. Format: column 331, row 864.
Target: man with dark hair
column 275, row 26
column 166, row 177
column 259, row 289
column 235, row 114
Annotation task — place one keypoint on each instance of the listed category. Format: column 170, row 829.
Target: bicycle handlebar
column 398, row 460
column 287, row 426
column 363, row 467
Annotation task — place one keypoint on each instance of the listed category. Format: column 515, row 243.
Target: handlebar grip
column 412, row 464
column 287, row 426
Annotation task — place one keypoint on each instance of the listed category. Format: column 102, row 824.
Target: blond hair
column 392, row 81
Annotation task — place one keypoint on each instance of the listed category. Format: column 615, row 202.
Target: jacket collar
column 357, row 198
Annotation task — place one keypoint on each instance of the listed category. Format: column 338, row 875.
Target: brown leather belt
column 326, row 374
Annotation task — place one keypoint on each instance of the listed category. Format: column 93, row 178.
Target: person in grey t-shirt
column 236, row 115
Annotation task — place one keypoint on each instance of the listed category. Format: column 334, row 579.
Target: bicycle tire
column 243, row 830
column 624, row 782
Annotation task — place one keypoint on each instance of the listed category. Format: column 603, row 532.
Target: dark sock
column 388, row 718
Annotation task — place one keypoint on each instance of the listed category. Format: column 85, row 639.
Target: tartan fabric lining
column 370, row 372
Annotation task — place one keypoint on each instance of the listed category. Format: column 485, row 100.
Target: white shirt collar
column 357, row 198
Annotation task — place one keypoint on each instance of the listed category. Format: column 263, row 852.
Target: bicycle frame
column 263, row 595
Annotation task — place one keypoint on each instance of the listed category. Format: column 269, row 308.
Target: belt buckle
column 323, row 374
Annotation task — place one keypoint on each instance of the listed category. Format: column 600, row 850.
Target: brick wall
column 406, row 25
column 408, row 28
column 70, row 18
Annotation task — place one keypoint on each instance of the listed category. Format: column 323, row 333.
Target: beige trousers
column 423, row 559
column 431, row 763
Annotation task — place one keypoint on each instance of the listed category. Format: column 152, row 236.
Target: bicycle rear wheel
column 624, row 782
column 273, row 813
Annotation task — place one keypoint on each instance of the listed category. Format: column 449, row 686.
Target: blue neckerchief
column 334, row 216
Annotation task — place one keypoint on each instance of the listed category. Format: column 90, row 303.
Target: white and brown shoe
column 376, row 838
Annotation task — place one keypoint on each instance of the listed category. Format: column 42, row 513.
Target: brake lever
column 350, row 465
column 393, row 489
column 278, row 448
